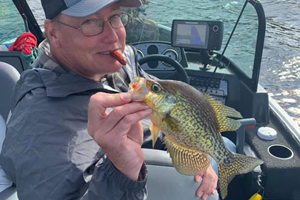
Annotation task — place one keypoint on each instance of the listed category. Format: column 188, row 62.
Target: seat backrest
column 5, row 182
column 8, row 78
column 15, row 59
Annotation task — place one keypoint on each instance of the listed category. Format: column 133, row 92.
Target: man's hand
column 208, row 184
column 119, row 133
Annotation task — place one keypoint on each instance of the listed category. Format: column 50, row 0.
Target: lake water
column 280, row 69
column 280, row 73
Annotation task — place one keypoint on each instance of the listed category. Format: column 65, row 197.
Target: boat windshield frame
column 252, row 82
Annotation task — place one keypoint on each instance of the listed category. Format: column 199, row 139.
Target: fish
column 192, row 123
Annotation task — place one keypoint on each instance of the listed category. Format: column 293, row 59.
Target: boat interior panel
column 14, row 58
column 8, row 78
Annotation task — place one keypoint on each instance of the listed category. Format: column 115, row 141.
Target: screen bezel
column 174, row 33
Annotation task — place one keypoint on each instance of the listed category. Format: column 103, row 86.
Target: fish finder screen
column 190, row 34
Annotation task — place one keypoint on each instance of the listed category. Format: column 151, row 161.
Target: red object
column 24, row 43
column 134, row 85
column 249, row 127
column 118, row 57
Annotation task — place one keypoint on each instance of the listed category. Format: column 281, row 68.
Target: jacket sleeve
column 109, row 183
column 49, row 154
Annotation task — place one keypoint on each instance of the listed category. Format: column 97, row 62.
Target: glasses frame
column 79, row 28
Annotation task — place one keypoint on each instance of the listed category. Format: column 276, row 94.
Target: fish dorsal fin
column 222, row 113
column 186, row 161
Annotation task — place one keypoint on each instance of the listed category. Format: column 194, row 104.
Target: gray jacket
column 48, row 152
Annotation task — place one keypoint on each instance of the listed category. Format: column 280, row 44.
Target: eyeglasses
column 92, row 27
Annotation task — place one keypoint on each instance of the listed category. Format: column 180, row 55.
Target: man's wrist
column 115, row 174
column 132, row 173
column 130, row 167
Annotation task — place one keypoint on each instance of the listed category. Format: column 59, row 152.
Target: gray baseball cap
column 81, row 8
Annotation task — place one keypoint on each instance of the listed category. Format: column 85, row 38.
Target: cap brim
column 88, row 7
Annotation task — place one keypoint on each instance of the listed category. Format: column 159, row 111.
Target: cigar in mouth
column 118, row 56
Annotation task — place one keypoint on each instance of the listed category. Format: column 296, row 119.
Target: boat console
column 218, row 87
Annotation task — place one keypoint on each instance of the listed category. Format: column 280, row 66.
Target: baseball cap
column 81, row 8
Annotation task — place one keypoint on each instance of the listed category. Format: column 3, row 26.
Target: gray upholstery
column 8, row 78
column 165, row 183
column 157, row 157
column 9, row 194
column 14, row 58
column 2, row 131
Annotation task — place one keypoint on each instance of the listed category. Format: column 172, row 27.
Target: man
column 67, row 134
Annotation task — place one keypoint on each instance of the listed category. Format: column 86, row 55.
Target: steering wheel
column 157, row 57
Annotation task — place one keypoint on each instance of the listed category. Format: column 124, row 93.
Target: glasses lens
column 125, row 18
column 92, row 27
column 118, row 21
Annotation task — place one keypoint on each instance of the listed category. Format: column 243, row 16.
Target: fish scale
column 191, row 123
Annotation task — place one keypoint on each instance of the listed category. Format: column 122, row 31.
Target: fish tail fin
column 240, row 164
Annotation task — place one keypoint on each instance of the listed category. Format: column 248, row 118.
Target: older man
column 68, row 134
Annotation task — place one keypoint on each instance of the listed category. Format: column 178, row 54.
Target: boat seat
column 9, row 194
column 14, row 58
column 8, row 78
column 5, row 182
column 164, row 182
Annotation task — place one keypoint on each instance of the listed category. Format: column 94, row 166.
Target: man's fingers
column 204, row 197
column 121, row 128
column 199, row 191
column 197, row 178
column 130, row 119
column 207, row 186
column 120, row 112
column 100, row 101
column 203, row 192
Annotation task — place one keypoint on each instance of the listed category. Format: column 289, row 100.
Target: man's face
column 88, row 56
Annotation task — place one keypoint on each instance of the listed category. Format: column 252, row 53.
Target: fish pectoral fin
column 154, row 133
column 187, row 161
column 223, row 114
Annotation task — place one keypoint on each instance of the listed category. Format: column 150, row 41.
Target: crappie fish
column 192, row 123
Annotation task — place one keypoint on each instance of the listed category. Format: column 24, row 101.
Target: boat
column 267, row 132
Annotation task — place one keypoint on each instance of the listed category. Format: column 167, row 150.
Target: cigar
column 118, row 57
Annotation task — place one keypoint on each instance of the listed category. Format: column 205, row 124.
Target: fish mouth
column 138, row 89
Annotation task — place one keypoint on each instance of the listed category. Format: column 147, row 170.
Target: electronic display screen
column 190, row 34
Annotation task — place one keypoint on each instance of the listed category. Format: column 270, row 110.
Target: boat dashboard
column 219, row 87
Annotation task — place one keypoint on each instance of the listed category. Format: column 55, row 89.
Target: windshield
column 155, row 16
column 11, row 23
column 152, row 22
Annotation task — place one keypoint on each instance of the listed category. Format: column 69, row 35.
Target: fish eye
column 156, row 88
